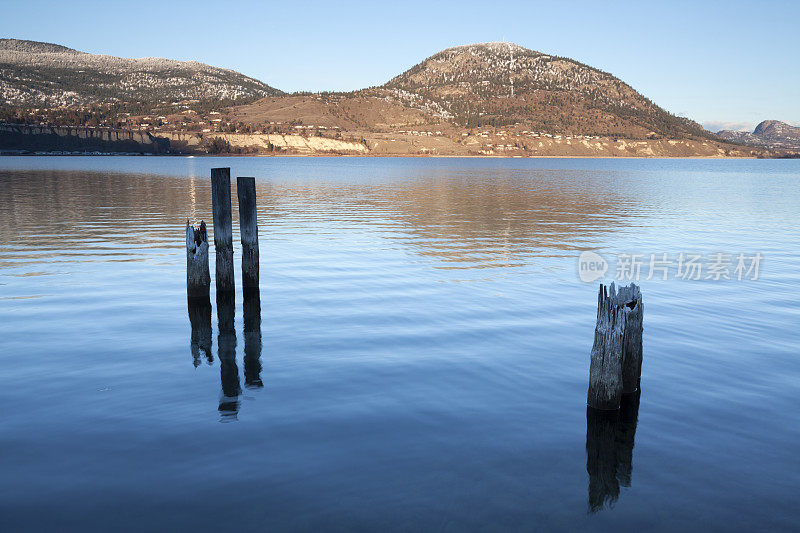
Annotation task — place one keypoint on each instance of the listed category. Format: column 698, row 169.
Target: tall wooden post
column 248, row 229
column 223, row 231
column 197, row 277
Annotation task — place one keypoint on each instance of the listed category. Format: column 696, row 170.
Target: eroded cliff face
column 606, row 147
column 28, row 138
column 399, row 145
column 23, row 138
column 390, row 144
column 267, row 143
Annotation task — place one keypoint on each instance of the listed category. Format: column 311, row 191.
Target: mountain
column 494, row 99
column 503, row 83
column 34, row 74
column 769, row 133
column 488, row 85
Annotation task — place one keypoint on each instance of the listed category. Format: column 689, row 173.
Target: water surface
column 421, row 359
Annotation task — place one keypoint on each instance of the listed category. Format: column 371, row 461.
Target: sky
column 725, row 64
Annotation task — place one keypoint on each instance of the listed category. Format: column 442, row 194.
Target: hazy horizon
column 742, row 78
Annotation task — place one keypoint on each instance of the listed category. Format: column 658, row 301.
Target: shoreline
column 399, row 156
column 67, row 141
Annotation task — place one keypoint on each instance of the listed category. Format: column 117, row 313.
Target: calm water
column 423, row 354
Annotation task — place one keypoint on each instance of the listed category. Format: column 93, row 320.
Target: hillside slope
column 503, row 83
column 489, row 85
column 47, row 75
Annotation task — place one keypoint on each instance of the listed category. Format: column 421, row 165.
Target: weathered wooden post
column 223, row 231
column 248, row 229
column 616, row 358
column 197, row 277
column 605, row 369
column 630, row 298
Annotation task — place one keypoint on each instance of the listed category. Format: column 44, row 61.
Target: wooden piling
column 605, row 370
column 630, row 298
column 197, row 277
column 223, row 231
column 248, row 229
column 616, row 358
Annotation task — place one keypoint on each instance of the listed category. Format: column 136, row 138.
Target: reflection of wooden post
column 248, row 228
column 252, row 339
column 226, row 345
column 626, row 433
column 616, row 357
column 223, row 232
column 200, row 320
column 601, row 457
column 609, row 451
column 197, row 277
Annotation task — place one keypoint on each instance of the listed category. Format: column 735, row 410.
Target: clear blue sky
column 716, row 62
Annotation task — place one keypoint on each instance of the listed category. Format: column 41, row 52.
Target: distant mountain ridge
column 34, row 47
column 502, row 83
column 50, row 75
column 769, row 134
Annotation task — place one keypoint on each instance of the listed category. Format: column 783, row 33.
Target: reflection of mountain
column 481, row 219
column 98, row 213
column 609, row 451
column 502, row 220
column 465, row 219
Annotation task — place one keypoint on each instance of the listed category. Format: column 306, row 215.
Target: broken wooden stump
column 616, row 358
column 223, row 231
column 248, row 229
column 605, row 370
column 197, row 277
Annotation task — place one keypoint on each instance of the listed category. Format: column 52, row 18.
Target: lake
column 418, row 357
